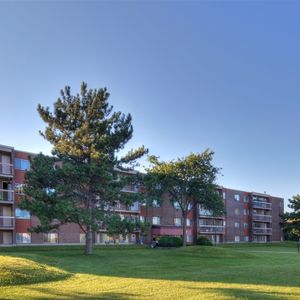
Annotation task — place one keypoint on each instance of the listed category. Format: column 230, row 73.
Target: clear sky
column 194, row 75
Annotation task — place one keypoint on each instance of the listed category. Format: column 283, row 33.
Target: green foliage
column 81, row 182
column 189, row 181
column 170, row 241
column 291, row 220
column 204, row 241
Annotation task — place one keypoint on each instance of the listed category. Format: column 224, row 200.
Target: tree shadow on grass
column 239, row 293
column 50, row 294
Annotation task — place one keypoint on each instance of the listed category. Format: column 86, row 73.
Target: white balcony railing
column 261, row 204
column 211, row 228
column 259, row 230
column 6, row 195
column 7, row 222
column 6, row 169
column 261, row 218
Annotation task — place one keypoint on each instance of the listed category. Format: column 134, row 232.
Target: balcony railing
column 257, row 230
column 211, row 228
column 7, row 222
column 261, row 204
column 261, row 218
column 6, row 169
column 6, row 195
column 130, row 189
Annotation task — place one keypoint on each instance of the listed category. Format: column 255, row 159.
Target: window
column 188, row 222
column 82, row 238
column 189, row 238
column 246, row 199
column 51, row 238
column 22, row 214
column 246, row 212
column 22, row 164
column 177, row 221
column 246, row 225
column 23, row 238
column 190, row 206
column 122, row 217
column 142, row 219
column 237, row 238
column 155, row 203
column 224, row 195
column 176, row 205
column 237, row 211
column 237, row 197
column 237, row 225
column 19, row 188
column 155, row 220
column 246, row 238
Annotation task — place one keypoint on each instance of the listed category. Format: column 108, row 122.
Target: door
column 7, row 237
column 6, row 168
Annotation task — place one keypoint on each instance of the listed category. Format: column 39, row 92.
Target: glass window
column 237, row 211
column 155, row 220
column 177, row 221
column 246, row 238
column 237, row 238
column 246, row 199
column 246, row 225
column 23, row 238
column 19, row 188
column 142, row 218
column 237, row 197
column 22, row 164
column 246, row 212
column 237, row 225
column 22, row 214
column 82, row 238
column 188, row 222
column 155, row 203
column 176, row 205
column 51, row 238
column 224, row 195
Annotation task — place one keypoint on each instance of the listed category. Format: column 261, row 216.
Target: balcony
column 261, row 204
column 261, row 218
column 6, row 196
column 6, row 170
column 7, row 222
column 259, row 230
column 211, row 229
column 130, row 189
column 135, row 207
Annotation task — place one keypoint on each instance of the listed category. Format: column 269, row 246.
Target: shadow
column 235, row 293
column 49, row 293
column 198, row 264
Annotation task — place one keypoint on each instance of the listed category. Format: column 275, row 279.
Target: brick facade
column 250, row 217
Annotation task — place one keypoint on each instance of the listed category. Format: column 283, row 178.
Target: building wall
column 237, row 212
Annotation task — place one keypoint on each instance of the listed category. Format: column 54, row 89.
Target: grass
column 198, row 272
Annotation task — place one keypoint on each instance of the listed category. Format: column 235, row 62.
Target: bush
column 170, row 241
column 204, row 241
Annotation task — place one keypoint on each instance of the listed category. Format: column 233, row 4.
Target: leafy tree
column 291, row 220
column 188, row 181
column 81, row 182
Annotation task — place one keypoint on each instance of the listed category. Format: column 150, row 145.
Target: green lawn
column 125, row 272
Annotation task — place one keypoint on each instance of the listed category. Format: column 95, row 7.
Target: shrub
column 203, row 240
column 170, row 241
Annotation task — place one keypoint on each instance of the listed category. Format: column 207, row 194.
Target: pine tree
column 81, row 182
column 291, row 220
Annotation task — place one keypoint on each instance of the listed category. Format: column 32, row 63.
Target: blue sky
column 194, row 75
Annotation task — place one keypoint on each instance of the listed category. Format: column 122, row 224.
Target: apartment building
column 250, row 217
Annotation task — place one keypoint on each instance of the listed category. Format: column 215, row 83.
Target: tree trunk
column 184, row 229
column 89, row 241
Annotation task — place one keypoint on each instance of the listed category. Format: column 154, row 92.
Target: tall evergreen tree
column 291, row 220
column 81, row 182
column 188, row 181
